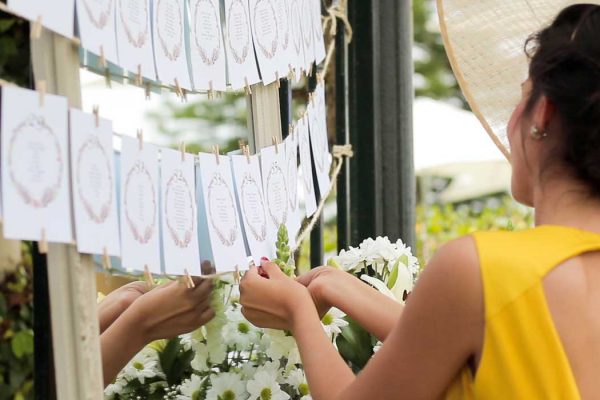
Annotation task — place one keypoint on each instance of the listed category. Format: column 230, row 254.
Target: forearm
column 326, row 372
column 108, row 312
column 119, row 344
column 372, row 310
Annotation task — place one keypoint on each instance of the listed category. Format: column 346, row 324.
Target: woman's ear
column 543, row 113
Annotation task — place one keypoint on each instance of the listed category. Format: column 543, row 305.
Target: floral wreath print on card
column 277, row 195
column 283, row 22
column 95, row 189
column 180, row 224
column 37, row 185
column 143, row 223
column 306, row 167
column 206, row 31
column 221, row 210
column 296, row 21
column 267, row 40
column 307, row 29
column 292, row 179
column 170, row 34
column 137, row 9
column 98, row 11
column 253, row 208
column 238, row 31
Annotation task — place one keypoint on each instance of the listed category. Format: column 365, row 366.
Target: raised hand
column 113, row 305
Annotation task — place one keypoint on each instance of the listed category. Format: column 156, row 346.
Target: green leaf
column 393, row 275
column 354, row 345
column 22, row 343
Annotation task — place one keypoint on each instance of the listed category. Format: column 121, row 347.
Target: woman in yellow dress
column 495, row 315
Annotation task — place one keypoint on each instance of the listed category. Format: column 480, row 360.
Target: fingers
column 271, row 269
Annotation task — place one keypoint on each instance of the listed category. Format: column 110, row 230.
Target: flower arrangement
column 230, row 359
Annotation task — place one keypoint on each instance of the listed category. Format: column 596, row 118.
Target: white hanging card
column 273, row 168
column 140, row 244
column 35, row 166
column 96, row 22
column 297, row 44
column 93, row 185
column 319, row 145
column 263, row 19
column 220, row 214
column 319, row 38
column 169, row 44
column 294, row 215
column 179, row 213
column 251, row 202
column 308, row 186
column 207, row 50
column 306, row 12
column 285, row 62
column 134, row 37
column 241, row 63
column 56, row 15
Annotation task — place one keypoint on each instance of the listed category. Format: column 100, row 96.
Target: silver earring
column 536, row 134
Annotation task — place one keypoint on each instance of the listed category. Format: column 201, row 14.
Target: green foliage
column 16, row 332
column 14, row 50
column 284, row 260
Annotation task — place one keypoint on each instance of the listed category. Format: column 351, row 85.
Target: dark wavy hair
column 565, row 67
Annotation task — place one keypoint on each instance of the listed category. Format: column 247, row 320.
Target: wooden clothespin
column 140, row 137
column 291, row 132
column 276, row 144
column 246, row 152
column 148, row 277
column 278, row 83
column 237, row 275
column 216, row 151
column 188, row 279
column 148, row 91
column 96, row 111
column 41, row 88
column 178, row 89
column 182, row 150
column 102, row 57
column 36, row 28
column 320, row 77
column 310, row 68
column 292, row 74
column 247, row 88
column 211, row 92
column 138, row 77
column 106, row 263
column 42, row 243
column 107, row 77
column 311, row 97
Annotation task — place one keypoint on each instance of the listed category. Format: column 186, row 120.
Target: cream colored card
column 251, row 204
column 265, row 34
column 56, row 15
column 273, row 168
column 35, row 166
column 207, row 49
column 96, row 22
column 241, row 62
column 308, row 186
column 319, row 38
column 297, row 45
column 220, row 215
column 307, row 17
column 170, row 52
column 294, row 214
column 285, row 60
column 140, row 241
column 178, row 212
column 134, row 37
column 93, row 185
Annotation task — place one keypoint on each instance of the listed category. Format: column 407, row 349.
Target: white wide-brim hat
column 485, row 41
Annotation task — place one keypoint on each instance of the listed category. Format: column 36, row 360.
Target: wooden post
column 71, row 277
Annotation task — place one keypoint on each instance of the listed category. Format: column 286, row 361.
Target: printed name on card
column 220, row 215
column 134, row 37
column 35, row 166
column 56, row 15
column 241, row 63
column 294, row 215
column 273, row 168
column 93, row 184
column 308, row 186
column 251, row 204
column 207, row 50
column 179, row 213
column 96, row 21
column 140, row 244
column 170, row 52
column 266, row 38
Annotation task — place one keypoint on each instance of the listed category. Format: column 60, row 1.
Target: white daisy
column 227, row 386
column 377, row 347
column 333, row 323
column 201, row 357
column 265, row 387
column 114, row 388
column 282, row 346
column 191, row 388
column 238, row 331
column 349, row 259
column 143, row 365
column 297, row 380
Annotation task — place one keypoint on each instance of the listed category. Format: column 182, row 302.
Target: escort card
column 93, row 185
column 207, row 50
column 294, row 215
column 134, row 37
column 319, row 38
column 241, row 63
column 35, row 166
column 266, row 38
column 307, row 16
column 296, row 37
column 318, row 139
column 56, row 15
column 285, row 60
column 224, row 247
column 251, row 204
column 96, row 22
column 140, row 244
column 169, row 46
column 179, row 213
column 273, row 167
column 308, row 186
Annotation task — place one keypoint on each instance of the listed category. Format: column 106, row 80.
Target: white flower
column 273, row 369
column 404, row 283
column 238, row 331
column 377, row 347
column 143, row 365
column 201, row 357
column 297, row 380
column 333, row 323
column 191, row 388
column 282, row 346
column 378, row 252
column 114, row 388
column 186, row 341
column 349, row 259
column 265, row 387
column 227, row 386
column 248, row 370
column 410, row 261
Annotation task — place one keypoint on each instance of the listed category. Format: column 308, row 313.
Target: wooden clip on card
column 41, row 88
column 140, row 137
column 96, row 112
column 42, row 243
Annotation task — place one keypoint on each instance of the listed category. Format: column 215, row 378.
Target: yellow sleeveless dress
column 522, row 356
